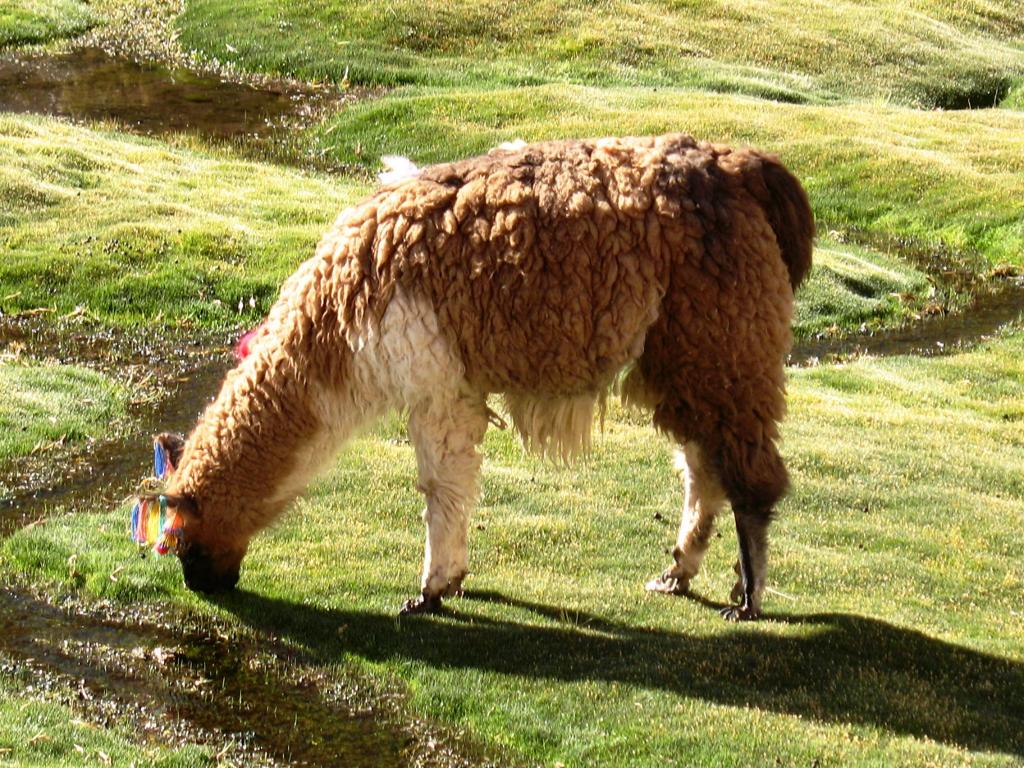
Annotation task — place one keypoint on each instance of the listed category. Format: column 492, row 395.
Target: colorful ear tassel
column 150, row 523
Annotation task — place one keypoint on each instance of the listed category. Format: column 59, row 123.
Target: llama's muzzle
column 203, row 573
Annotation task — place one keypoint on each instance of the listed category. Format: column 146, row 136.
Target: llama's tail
column 789, row 213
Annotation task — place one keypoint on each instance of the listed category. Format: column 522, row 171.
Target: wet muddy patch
column 999, row 304
column 171, row 380
column 89, row 84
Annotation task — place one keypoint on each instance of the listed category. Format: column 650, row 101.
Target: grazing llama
column 538, row 272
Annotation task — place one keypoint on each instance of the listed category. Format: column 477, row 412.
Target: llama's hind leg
column 704, row 499
column 752, row 565
column 446, row 436
column 735, row 424
column 755, row 478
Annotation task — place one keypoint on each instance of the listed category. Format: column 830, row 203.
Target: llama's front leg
column 704, row 500
column 446, row 437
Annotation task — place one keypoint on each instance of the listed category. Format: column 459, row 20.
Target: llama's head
column 210, row 552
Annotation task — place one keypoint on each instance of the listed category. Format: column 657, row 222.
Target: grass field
column 44, row 407
column 895, row 632
column 897, row 637
column 926, row 53
column 39, row 734
column 139, row 232
column 29, row 22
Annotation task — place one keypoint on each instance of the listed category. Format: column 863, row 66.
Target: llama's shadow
column 845, row 668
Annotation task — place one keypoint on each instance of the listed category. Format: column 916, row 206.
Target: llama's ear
column 167, row 450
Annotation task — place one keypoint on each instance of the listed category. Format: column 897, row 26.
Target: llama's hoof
column 421, row 604
column 667, row 584
column 739, row 613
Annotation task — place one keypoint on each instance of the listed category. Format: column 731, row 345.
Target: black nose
column 201, row 573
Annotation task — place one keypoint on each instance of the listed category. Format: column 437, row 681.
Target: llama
column 544, row 274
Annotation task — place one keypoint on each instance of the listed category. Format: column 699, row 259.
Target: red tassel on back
column 243, row 347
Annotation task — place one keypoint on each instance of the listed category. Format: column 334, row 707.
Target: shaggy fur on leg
column 538, row 272
column 703, row 501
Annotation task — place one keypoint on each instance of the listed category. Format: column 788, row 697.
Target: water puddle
column 90, row 84
column 928, row 337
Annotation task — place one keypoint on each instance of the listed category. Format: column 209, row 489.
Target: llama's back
column 546, row 266
column 541, row 263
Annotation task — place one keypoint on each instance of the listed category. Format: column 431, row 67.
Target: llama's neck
column 240, row 459
column 273, row 424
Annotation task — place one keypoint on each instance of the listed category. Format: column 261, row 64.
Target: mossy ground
column 45, row 406
column 30, row 22
column 36, row 733
column 932, row 53
column 134, row 231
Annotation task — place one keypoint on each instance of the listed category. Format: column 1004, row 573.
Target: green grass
column 38, row 734
column 138, row 232
column 42, row 404
column 944, row 179
column 930, row 52
column 29, row 22
column 1014, row 98
column 897, row 640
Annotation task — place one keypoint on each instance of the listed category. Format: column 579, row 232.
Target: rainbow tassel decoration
column 151, row 525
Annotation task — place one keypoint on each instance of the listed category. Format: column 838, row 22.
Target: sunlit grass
column 27, row 22
column 897, row 636
column 1014, row 98
column 46, row 404
column 931, row 53
column 42, row 734
column 138, row 232
column 853, row 287
column 954, row 179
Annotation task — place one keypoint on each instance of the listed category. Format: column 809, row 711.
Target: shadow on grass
column 839, row 668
